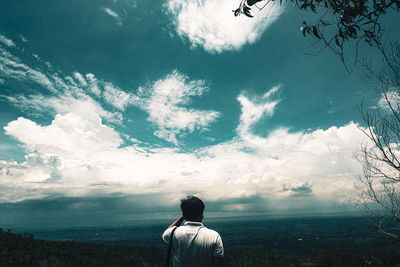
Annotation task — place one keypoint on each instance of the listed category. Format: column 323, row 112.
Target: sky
column 114, row 110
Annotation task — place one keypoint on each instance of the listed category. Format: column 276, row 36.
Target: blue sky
column 147, row 101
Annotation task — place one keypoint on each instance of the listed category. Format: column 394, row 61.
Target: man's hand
column 178, row 222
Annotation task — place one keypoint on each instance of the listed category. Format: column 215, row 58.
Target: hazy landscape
column 256, row 241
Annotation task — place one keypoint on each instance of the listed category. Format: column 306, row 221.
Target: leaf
column 315, row 32
column 304, row 31
column 369, row 34
column 324, row 23
column 337, row 40
column 247, row 13
column 341, row 33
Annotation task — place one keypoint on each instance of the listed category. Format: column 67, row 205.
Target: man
column 194, row 245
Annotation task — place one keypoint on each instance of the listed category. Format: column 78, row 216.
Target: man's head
column 192, row 209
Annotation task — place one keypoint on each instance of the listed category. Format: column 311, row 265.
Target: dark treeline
column 25, row 250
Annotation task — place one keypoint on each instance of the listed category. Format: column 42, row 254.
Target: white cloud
column 39, row 104
column 117, row 97
column 77, row 86
column 72, row 135
column 87, row 155
column 389, row 100
column 165, row 102
column 113, row 14
column 23, row 38
column 77, row 155
column 80, row 79
column 12, row 68
column 93, row 82
column 6, row 41
column 253, row 110
column 212, row 25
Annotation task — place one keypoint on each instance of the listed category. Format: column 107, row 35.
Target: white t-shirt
column 194, row 245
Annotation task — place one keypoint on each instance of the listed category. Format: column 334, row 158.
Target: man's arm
column 218, row 262
column 177, row 223
column 165, row 236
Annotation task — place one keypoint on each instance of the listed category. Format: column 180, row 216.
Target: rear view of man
column 194, row 245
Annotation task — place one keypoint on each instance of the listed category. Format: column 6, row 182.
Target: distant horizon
column 166, row 218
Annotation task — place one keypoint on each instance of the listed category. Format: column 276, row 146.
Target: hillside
column 24, row 250
column 344, row 242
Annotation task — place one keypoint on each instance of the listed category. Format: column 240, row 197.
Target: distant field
column 311, row 241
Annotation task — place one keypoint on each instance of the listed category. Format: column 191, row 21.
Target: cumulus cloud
column 304, row 190
column 80, row 156
column 68, row 134
column 166, row 102
column 90, row 162
column 212, row 25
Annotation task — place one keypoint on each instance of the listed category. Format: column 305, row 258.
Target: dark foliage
column 341, row 21
column 279, row 242
column 23, row 250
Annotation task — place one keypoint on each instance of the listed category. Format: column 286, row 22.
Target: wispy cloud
column 254, row 109
column 79, row 87
column 166, row 102
column 6, row 41
column 40, row 105
column 117, row 97
column 212, row 25
column 389, row 100
column 113, row 14
column 23, row 38
column 94, row 85
column 12, row 68
column 79, row 77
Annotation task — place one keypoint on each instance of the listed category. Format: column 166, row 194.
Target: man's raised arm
column 178, row 222
column 167, row 233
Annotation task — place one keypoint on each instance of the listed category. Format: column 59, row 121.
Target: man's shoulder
column 209, row 232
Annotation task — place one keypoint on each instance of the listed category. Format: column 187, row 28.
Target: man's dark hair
column 192, row 208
